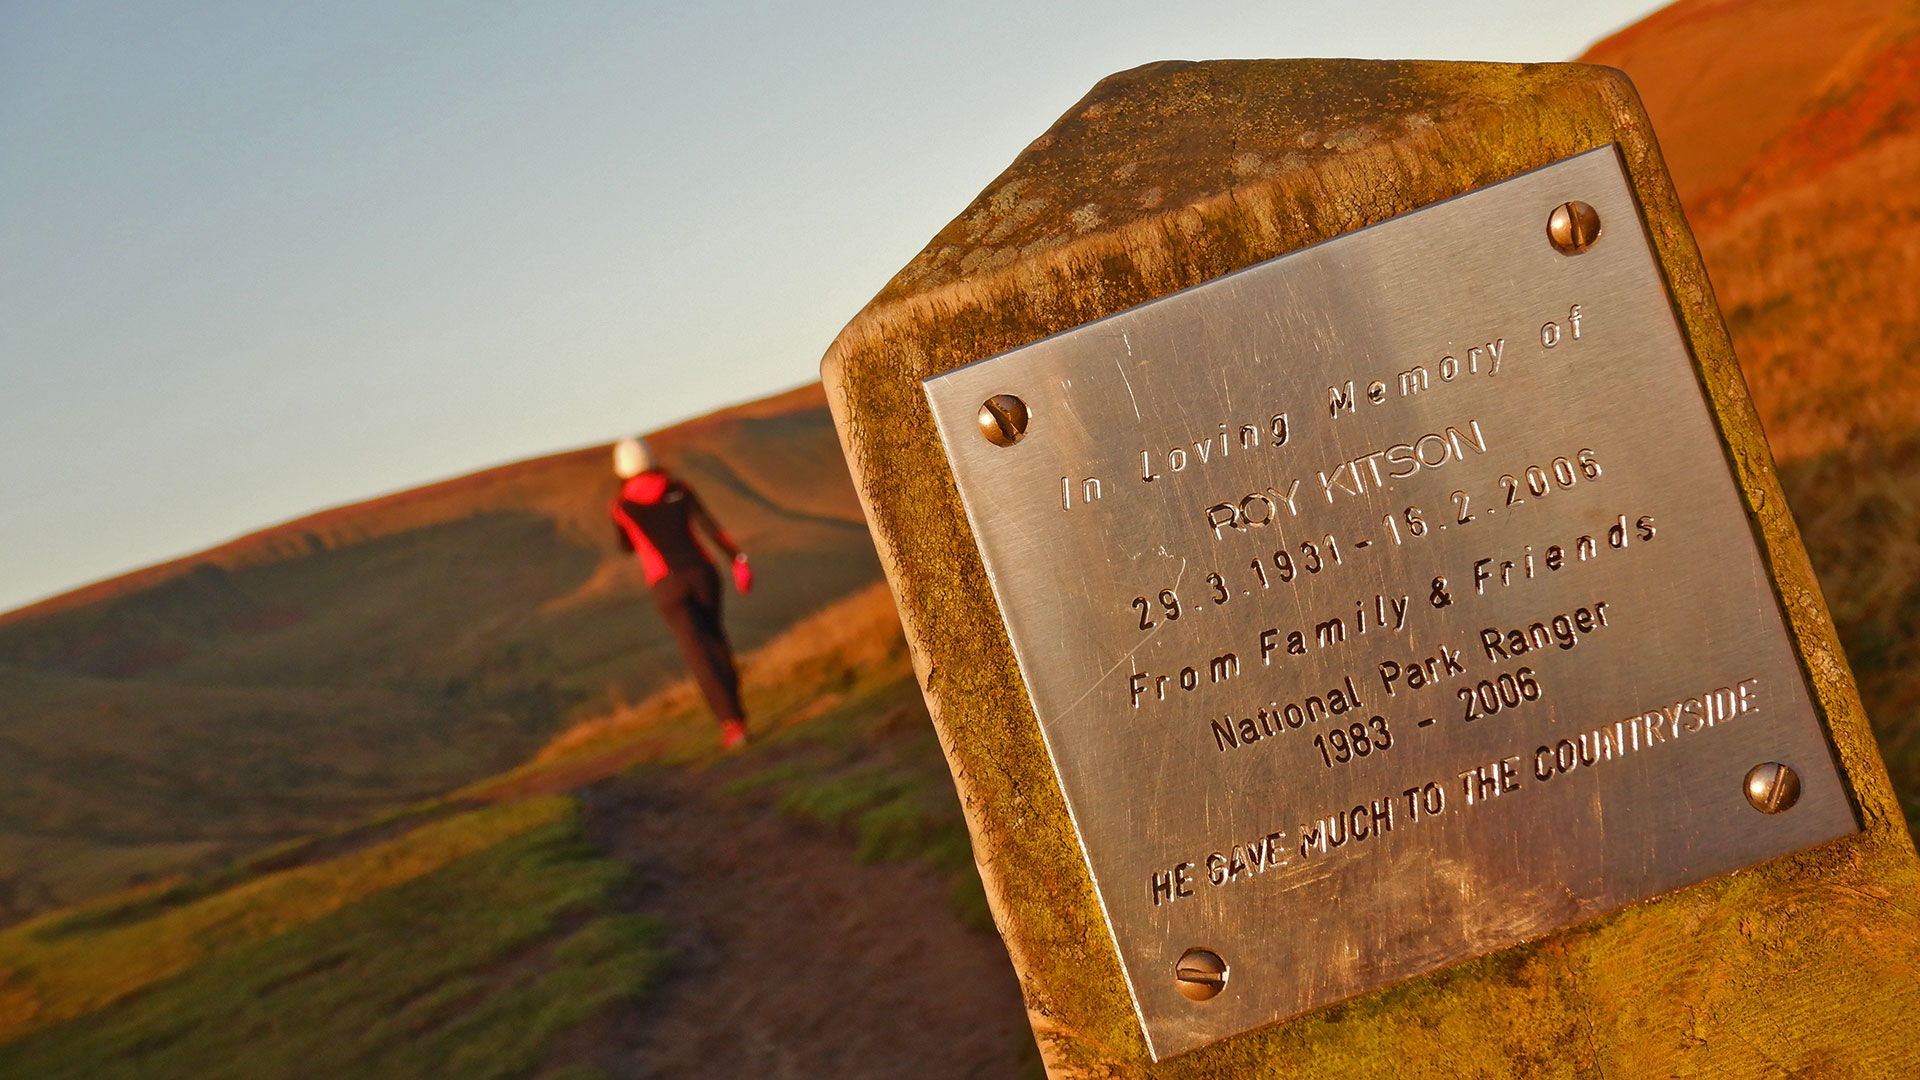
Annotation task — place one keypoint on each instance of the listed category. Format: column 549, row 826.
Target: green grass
column 81, row 960
column 471, row 970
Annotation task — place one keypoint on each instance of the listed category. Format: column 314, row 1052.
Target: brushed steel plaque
column 1386, row 604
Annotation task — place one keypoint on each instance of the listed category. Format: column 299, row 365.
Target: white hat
column 631, row 457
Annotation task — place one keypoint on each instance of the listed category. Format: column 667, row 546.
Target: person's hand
column 742, row 574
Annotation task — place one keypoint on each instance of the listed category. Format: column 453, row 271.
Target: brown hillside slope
column 831, row 852
column 1793, row 129
column 562, row 486
column 1816, row 249
column 337, row 666
column 1723, row 78
column 1790, row 128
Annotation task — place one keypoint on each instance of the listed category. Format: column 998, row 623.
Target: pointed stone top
column 1168, row 135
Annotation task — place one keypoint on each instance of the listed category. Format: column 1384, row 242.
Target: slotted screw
column 1004, row 419
column 1772, row 787
column 1200, row 974
column 1573, row 227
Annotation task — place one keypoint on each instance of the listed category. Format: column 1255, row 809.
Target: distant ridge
column 534, row 483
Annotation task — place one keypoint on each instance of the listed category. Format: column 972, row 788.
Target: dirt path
column 791, row 959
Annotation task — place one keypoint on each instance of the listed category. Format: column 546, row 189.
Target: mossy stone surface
column 1176, row 173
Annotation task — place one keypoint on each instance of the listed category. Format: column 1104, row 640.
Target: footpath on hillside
column 629, row 904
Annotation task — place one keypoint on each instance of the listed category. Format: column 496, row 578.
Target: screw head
column 1004, row 419
column 1772, row 787
column 1573, row 227
column 1200, row 974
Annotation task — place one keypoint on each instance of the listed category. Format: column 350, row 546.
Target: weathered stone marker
column 1354, row 596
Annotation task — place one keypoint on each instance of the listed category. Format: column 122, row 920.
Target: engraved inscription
column 1271, row 432
column 1413, row 636
column 1476, row 783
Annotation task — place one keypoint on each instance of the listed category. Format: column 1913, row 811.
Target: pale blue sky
column 260, row 259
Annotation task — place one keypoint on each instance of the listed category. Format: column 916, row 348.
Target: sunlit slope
column 1793, row 130
column 374, row 654
column 1790, row 129
column 630, row 903
column 1725, row 78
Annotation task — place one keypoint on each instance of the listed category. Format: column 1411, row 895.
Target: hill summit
column 347, row 663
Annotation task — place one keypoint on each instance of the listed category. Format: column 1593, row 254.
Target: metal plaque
column 1388, row 603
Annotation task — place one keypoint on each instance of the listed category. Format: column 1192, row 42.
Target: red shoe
column 733, row 735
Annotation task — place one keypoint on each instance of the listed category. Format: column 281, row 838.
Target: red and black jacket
column 654, row 517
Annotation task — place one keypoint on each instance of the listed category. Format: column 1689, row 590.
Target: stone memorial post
column 1354, row 597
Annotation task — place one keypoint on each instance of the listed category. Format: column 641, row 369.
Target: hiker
column 654, row 516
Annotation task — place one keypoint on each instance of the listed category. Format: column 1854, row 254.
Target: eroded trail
column 791, row 958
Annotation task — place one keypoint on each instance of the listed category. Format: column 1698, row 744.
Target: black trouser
column 690, row 602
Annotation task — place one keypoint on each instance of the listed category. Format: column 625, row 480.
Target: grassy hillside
column 1724, row 79
column 671, row 913
column 1793, row 130
column 315, row 673
column 462, row 949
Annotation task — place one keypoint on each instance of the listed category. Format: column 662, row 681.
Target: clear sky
column 258, row 259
